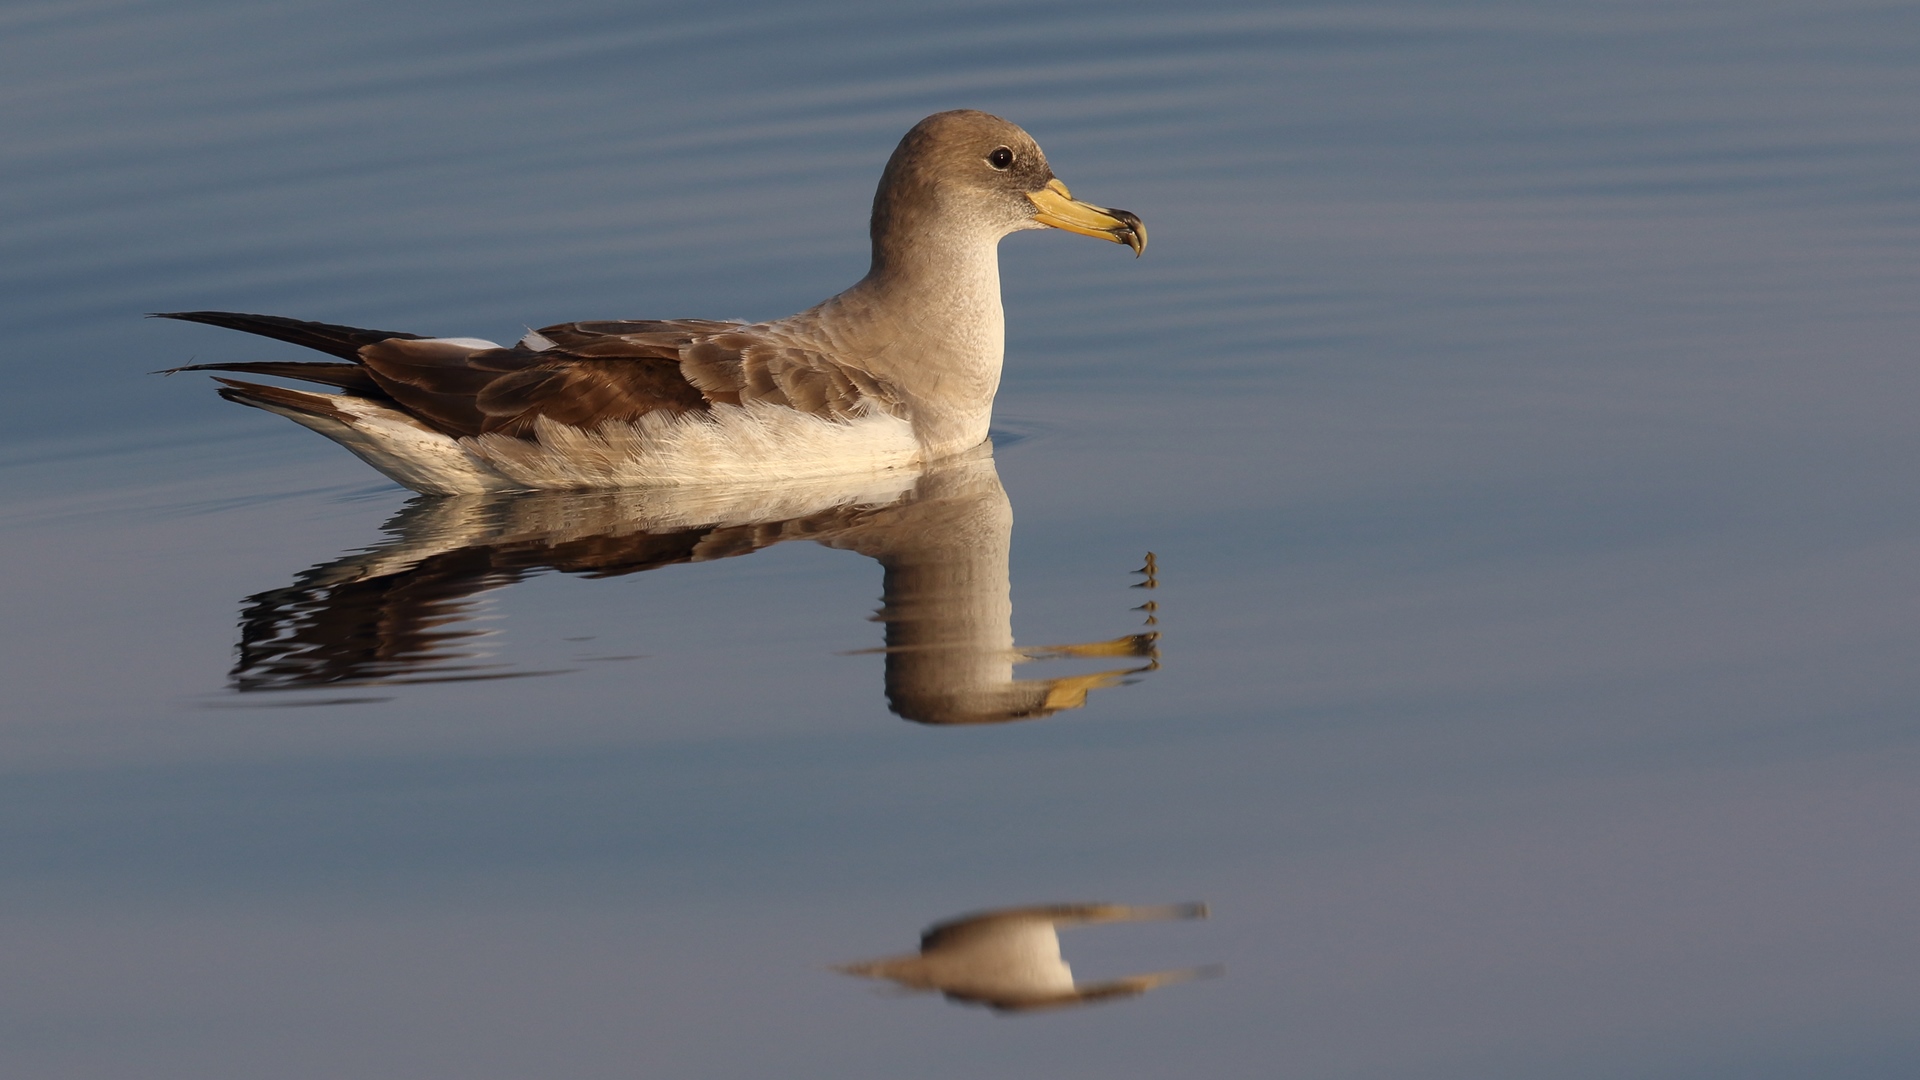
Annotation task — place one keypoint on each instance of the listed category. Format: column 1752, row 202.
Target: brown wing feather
column 743, row 366
column 618, row 336
column 585, row 393
column 434, row 380
column 592, row 374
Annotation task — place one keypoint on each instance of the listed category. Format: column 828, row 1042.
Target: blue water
column 1517, row 399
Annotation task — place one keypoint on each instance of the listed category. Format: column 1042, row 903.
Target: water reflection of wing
column 403, row 610
column 393, row 623
column 329, row 629
column 1009, row 959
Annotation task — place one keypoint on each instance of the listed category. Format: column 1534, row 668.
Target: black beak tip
column 1136, row 235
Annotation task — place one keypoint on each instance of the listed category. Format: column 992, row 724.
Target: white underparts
column 409, row 453
column 729, row 444
column 751, row 443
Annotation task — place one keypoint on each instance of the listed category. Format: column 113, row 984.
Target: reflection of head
column 400, row 611
column 1009, row 959
column 952, row 684
column 948, row 608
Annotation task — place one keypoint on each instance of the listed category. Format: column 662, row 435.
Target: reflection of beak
column 1059, row 209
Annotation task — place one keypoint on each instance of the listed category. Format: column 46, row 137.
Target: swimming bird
column 1009, row 959
column 899, row 369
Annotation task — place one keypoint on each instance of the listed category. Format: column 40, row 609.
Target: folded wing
column 583, row 374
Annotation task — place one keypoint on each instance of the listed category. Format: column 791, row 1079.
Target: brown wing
column 582, row 374
column 732, row 364
column 758, row 364
column 591, row 374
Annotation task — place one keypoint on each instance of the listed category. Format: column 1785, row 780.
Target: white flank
column 396, row 444
column 413, row 455
column 758, row 446
column 730, row 444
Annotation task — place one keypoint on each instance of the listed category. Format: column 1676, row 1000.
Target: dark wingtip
column 333, row 339
column 213, row 318
column 199, row 367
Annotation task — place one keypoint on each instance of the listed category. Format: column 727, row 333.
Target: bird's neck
column 937, row 333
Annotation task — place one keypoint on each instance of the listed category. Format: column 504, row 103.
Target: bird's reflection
column 1009, row 959
column 402, row 610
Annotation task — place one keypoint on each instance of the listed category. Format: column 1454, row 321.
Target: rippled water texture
column 1517, row 401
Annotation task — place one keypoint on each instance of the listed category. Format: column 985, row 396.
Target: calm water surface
column 1517, row 401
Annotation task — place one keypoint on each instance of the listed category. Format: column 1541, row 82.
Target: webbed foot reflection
column 1009, row 959
column 402, row 611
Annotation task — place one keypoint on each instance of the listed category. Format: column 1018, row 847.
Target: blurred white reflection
column 1009, row 959
column 400, row 611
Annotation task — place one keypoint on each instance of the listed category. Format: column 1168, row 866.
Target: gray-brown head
column 982, row 177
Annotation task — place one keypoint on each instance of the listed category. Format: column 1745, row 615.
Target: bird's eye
column 1001, row 158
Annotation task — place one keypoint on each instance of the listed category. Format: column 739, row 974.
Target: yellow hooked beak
column 1060, row 210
